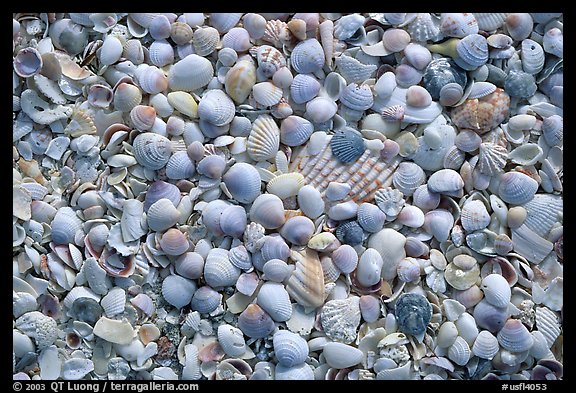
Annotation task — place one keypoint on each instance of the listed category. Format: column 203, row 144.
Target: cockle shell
column 408, row 177
column 218, row 270
column 276, row 270
column 515, row 337
column 517, row 188
column 152, row 150
column 239, row 81
column 179, row 166
column 255, row 322
column 390, row 245
column 299, row 372
column 255, row 24
column 264, row 138
column 485, row 346
column 274, row 299
column 310, row 201
column 223, row 22
column 298, row 230
column 490, row 21
column 190, row 73
column 482, row 114
column 216, row 108
column 445, row 181
column 238, row 39
column 474, row 216
column 233, row 221
column 458, row 24
column 307, row 57
column 243, row 182
column 459, row 352
column 347, row 145
column 370, row 217
column 295, row 130
column 190, row 265
column 268, row 210
column 162, row 215
column 306, row 284
column 65, row 225
column 496, row 290
column 266, row 93
column 532, row 56
column 304, row 87
column 290, row 348
column 152, row 80
column 174, row 242
column 492, row 158
column 205, row 300
column 178, row 291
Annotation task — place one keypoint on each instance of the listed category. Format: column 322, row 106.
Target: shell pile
column 287, row 196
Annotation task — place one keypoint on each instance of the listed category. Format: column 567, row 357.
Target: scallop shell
column 218, row 270
column 390, row 201
column 340, row 319
column 264, row 138
column 370, row 217
column 347, row 145
column 496, row 290
column 243, row 182
column 304, row 87
column 517, row 188
column 114, row 302
column 268, row 210
column 65, row 226
column 255, row 322
column 458, row 24
column 266, row 94
column 152, row 150
column 298, row 230
column 424, row 27
column 233, row 221
column 190, row 73
column 189, row 265
column 408, row 177
column 492, row 158
column 178, row 291
column 307, row 56
column 357, row 97
column 306, row 284
column 276, row 32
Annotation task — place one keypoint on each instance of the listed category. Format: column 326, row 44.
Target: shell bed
column 282, row 196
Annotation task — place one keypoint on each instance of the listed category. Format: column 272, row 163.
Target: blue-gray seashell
column 350, row 232
column 440, row 72
column 347, row 145
column 520, row 84
column 87, row 310
column 413, row 313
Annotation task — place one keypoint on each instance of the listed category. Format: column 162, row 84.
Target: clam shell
column 517, row 188
column 458, row 24
column 411, row 216
column 395, row 40
column 408, row 177
column 161, row 53
column 490, row 21
column 218, row 270
column 223, row 22
column 255, row 24
column 459, row 352
column 310, row 201
column 425, row 199
column 152, row 80
column 299, row 372
column 274, row 299
column 357, row 97
column 290, row 348
column 255, row 322
column 370, row 308
column 445, row 181
column 496, row 290
column 274, row 247
column 485, row 346
column 407, row 76
column 320, row 109
column 369, row 267
column 392, row 253
column 283, row 78
column 243, row 182
column 489, row 317
column 179, row 166
column 527, row 154
column 65, row 226
column 152, row 150
column 162, row 215
column 306, row 284
column 216, row 108
column 233, row 221
column 298, row 230
column 178, row 291
column 240, row 258
column 276, row 270
column 239, row 81
column 205, row 300
column 304, row 87
column 295, row 130
column 111, row 50
column 474, row 216
column 264, row 138
column 173, row 242
column 408, row 270
column 190, row 73
column 519, row 25
column 161, row 189
column 514, row 336
column 268, row 210
column 447, row 334
column 340, row 319
column 307, row 56
column 461, row 278
column 231, row 340
column 238, row 39
column 266, row 93
column 553, row 42
column 339, row 355
column 190, row 265
column 450, row 94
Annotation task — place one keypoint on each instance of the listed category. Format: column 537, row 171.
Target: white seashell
column 424, row 199
column 459, row 352
column 347, row 25
column 227, row 56
column 519, row 25
column 290, row 348
column 407, row 76
column 517, row 188
column 76, row 368
column 357, row 97
column 152, row 80
column 266, row 93
column 395, row 40
column 341, row 356
column 274, row 299
column 320, row 109
column 445, row 181
column 310, row 201
column 553, row 42
column 548, row 324
column 411, row 216
column 417, row 55
column 243, row 182
column 238, row 39
column 216, row 107
column 174, row 242
column 438, row 223
column 143, row 117
column 231, row 340
column 353, row 70
column 306, row 292
column 283, row 78
column 189, row 265
column 114, row 302
column 65, row 226
column 515, row 337
column 205, row 300
column 408, row 177
column 178, row 291
column 111, row 50
column 533, row 56
column 264, row 138
column 458, row 24
column 490, row 21
column 114, row 331
column 369, row 267
column 468, row 141
column 190, row 73
column 239, row 81
column 126, row 97
column 408, row 270
column 295, row 130
column 370, row 308
column 233, row 221
column 144, row 303
column 370, row 217
column 255, row 24
column 152, row 150
column 486, row 345
column 474, row 216
column 392, row 253
column 418, row 96
column 161, row 53
column 268, row 210
column 223, row 22
column 299, row 372
column 298, row 230
column 540, row 349
column 218, row 270
column 527, row 154
column 340, row 319
column 276, row 270
column 307, row 56
column 424, row 27
column 447, row 334
column 304, row 87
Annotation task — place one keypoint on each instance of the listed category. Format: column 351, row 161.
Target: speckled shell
column 218, row 270
column 484, row 113
column 340, row 319
column 269, row 60
column 243, row 182
column 264, row 138
column 152, row 150
column 307, row 57
column 190, row 73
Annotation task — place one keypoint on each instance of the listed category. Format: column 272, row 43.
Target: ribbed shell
column 365, row 176
column 307, row 57
column 548, row 324
column 161, row 53
column 152, row 150
column 179, row 166
column 295, row 130
column 472, row 52
column 496, row 290
column 299, row 372
column 370, row 217
column 340, row 319
column 178, row 291
column 65, row 225
column 274, row 299
column 218, row 270
column 357, row 97
column 190, row 73
column 161, row 189
column 290, row 348
column 239, row 81
column 264, row 139
column 408, row 177
column 484, row 113
column 353, row 70
column 458, row 24
column 216, row 108
column 269, row 60
column 474, row 216
column 347, row 145
column 276, row 270
column 126, row 97
column 266, row 93
column 231, row 340
column 240, row 257
column 205, row 300
column 517, row 188
column 243, row 182
column 152, row 80
column 304, row 87
column 543, row 212
column 223, row 22
column 515, row 337
column 205, row 40
column 162, row 215
column 114, row 302
column 233, row 221
column 492, row 158
column 424, row 27
column 490, row 21
column 486, row 345
column 459, row 352
column 306, row 284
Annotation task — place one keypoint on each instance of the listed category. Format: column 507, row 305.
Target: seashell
column 548, row 324
column 447, row 334
column 216, row 108
column 306, row 284
column 268, row 210
column 533, row 56
column 517, row 188
column 341, row 356
column 178, row 291
column 181, row 33
column 310, row 201
column 243, row 182
column 370, row 217
column 474, row 216
column 161, row 53
column 408, row 270
column 425, row 199
column 407, row 178
column 326, row 29
column 340, row 319
column 239, row 81
column 276, row 32
column 223, row 22
column 162, row 215
column 346, row 26
column 205, row 300
column 514, row 336
column 395, row 40
column 173, row 242
column 552, row 129
column 190, row 265
column 152, row 150
column 407, row 76
column 417, row 55
column 445, row 181
column 39, row 110
column 390, row 201
column 411, row 216
column 299, row 372
column 65, row 225
column 111, row 50
column 458, row 24
column 190, row 73
column 553, row 42
column 144, row 303
column 492, row 158
column 205, row 40
column 233, row 221
column 57, row 147
column 353, row 70
column 179, row 166
column 28, row 62
column 161, row 189
column 283, row 78
column 528, row 154
column 160, row 27
column 276, row 270
column 238, row 39
column 413, row 314
column 274, row 299
column 270, row 60
column 255, row 24
column 114, row 331
column 218, row 270
column 126, row 97
column 496, row 290
column 255, row 322
column 424, row 27
column 266, row 93
column 357, row 97
column 295, row 130
column 304, row 88
column 490, row 21
column 307, row 56
column 459, row 352
column 349, row 232
column 485, row 346
column 347, row 145
column 520, row 84
column 290, row 348
column 211, row 166
column 490, row 317
column 483, row 113
column 143, row 117
column 460, row 278
column 320, row 109
column 264, row 138
column 441, row 72
column 418, row 96
column 274, row 247
column 519, row 25
column 231, row 340
column 298, row 230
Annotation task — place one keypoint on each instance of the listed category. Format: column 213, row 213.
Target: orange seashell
column 482, row 114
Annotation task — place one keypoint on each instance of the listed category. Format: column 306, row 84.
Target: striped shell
column 347, row 145
column 306, row 284
column 319, row 167
column 231, row 340
column 65, row 226
column 152, row 150
column 496, row 290
column 515, row 337
column 290, row 348
column 239, row 81
column 492, row 158
column 255, row 322
column 486, row 345
column 216, row 107
column 205, row 300
column 264, row 138
column 307, row 57
column 357, row 97
column 472, row 52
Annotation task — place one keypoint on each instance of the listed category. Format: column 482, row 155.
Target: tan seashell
column 264, row 139
column 327, row 40
column 181, row 33
column 482, row 114
column 239, row 81
column 184, row 103
column 306, row 284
